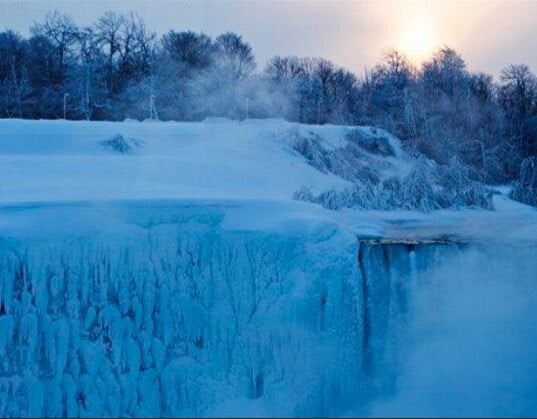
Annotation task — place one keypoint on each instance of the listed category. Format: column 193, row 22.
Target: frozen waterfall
column 176, row 315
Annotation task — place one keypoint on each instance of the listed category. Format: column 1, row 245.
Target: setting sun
column 416, row 39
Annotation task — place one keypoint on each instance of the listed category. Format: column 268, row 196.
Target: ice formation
column 175, row 315
column 174, row 319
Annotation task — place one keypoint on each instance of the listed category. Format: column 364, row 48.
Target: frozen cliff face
column 176, row 316
column 177, row 310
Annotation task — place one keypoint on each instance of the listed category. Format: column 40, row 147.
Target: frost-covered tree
column 458, row 190
column 15, row 88
column 184, row 76
column 234, row 55
column 43, row 72
column 87, row 83
column 317, row 90
column 445, row 73
column 418, row 190
column 107, row 32
column 62, row 33
column 386, row 93
column 234, row 64
column 126, row 46
column 518, row 97
column 189, row 51
column 525, row 188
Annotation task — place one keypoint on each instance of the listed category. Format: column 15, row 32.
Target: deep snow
column 59, row 160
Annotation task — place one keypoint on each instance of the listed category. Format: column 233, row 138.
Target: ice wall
column 179, row 318
column 175, row 314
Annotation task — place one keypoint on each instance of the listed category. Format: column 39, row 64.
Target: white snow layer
column 216, row 159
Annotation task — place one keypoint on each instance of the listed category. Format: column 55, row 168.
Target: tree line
column 117, row 68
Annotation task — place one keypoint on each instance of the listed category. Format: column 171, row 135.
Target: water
column 466, row 343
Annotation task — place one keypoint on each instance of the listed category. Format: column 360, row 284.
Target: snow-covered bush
column 362, row 159
column 392, row 193
column 373, row 144
column 120, row 144
column 425, row 188
column 459, row 190
column 525, row 188
column 351, row 164
column 418, row 188
column 333, row 199
column 304, row 194
column 310, row 147
column 348, row 162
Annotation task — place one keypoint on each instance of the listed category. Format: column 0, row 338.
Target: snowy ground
column 54, row 160
column 217, row 162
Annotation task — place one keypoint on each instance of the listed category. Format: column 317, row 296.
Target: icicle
column 413, row 263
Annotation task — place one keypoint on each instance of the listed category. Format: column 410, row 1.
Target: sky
column 355, row 34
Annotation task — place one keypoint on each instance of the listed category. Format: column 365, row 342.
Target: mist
column 469, row 348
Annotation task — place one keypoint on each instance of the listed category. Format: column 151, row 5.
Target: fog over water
column 469, row 349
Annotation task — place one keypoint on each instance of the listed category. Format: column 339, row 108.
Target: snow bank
column 216, row 159
column 66, row 160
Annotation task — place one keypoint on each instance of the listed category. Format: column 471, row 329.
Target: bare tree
column 235, row 55
column 108, row 36
column 518, row 98
column 62, row 32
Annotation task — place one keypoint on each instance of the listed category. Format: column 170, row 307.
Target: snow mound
column 218, row 159
column 214, row 159
column 121, row 145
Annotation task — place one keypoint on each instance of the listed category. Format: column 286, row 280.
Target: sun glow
column 417, row 39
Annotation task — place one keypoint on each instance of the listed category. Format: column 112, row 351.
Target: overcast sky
column 489, row 34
